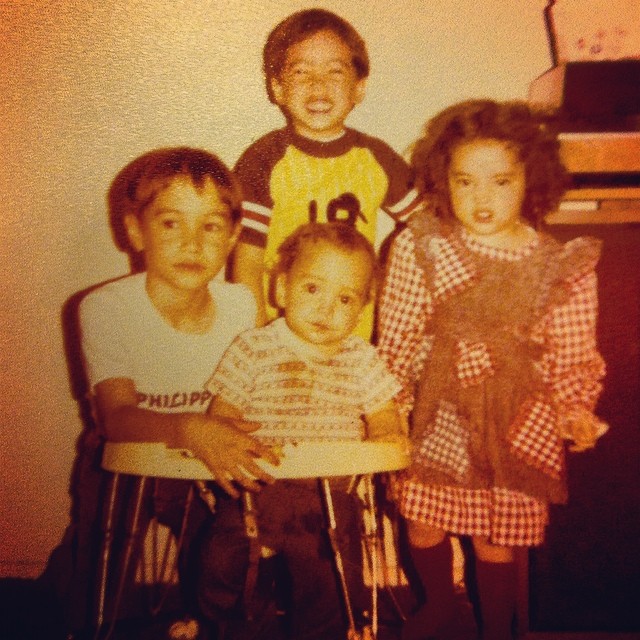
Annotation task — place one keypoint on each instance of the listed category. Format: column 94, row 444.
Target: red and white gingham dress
column 490, row 346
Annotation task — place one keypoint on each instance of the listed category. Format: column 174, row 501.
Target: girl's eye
column 503, row 182
column 310, row 287
column 169, row 223
column 346, row 299
column 463, row 182
column 212, row 227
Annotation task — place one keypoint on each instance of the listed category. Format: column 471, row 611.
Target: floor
column 26, row 613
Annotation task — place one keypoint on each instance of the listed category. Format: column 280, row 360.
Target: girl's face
column 487, row 187
column 323, row 294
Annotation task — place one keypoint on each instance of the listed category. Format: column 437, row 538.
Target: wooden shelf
column 614, row 152
column 600, row 153
column 625, row 215
column 604, row 193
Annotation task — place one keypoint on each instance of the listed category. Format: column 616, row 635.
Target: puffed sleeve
column 573, row 366
column 402, row 317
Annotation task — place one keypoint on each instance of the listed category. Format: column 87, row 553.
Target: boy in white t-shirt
column 149, row 339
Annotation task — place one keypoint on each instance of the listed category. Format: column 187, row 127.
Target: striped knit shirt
column 278, row 380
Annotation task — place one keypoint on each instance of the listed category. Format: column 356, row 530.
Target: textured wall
column 86, row 86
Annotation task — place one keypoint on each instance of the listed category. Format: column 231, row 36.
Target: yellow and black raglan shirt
column 289, row 180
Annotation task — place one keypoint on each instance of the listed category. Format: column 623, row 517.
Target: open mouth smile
column 319, row 108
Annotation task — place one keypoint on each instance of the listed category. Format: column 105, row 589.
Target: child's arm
column 574, row 365
column 387, row 425
column 248, row 269
column 403, row 312
column 222, row 443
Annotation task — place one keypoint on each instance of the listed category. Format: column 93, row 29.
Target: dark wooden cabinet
column 587, row 575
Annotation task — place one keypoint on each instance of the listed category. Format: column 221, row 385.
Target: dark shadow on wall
column 70, row 576
column 71, row 568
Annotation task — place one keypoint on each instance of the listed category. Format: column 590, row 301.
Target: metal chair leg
column 352, row 633
column 371, row 540
column 107, row 541
column 131, row 537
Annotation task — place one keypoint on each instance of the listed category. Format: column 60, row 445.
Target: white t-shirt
column 124, row 336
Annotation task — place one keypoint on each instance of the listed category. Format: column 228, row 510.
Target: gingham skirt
column 506, row 517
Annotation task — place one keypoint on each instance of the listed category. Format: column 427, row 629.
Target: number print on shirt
column 347, row 204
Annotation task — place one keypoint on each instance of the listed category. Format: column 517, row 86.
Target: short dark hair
column 301, row 25
column 530, row 132
column 340, row 235
column 139, row 182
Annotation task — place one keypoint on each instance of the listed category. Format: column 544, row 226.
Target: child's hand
column 229, row 451
column 581, row 426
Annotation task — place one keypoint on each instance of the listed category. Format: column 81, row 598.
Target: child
column 315, row 169
column 489, row 325
column 149, row 338
column 304, row 377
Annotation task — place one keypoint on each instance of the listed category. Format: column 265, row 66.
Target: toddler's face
column 186, row 235
column 319, row 86
column 323, row 294
column 487, row 186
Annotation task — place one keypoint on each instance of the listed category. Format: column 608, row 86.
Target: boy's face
column 186, row 235
column 323, row 294
column 318, row 86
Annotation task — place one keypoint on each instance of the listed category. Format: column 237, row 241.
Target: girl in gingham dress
column 489, row 325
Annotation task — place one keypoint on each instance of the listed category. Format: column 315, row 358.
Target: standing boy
column 315, row 169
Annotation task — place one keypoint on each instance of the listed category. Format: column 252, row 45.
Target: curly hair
column 298, row 27
column 340, row 235
column 139, row 182
column 529, row 132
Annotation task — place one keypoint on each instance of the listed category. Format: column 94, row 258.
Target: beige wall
column 86, row 86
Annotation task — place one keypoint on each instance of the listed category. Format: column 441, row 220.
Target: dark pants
column 302, row 577
column 73, row 570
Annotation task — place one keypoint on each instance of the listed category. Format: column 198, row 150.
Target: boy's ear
column 134, row 232
column 360, row 90
column 281, row 290
column 277, row 90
